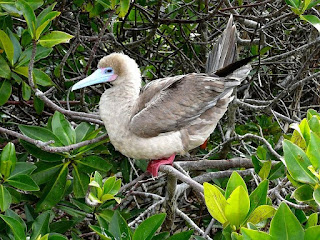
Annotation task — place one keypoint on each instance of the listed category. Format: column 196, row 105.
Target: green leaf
column 316, row 195
column 39, row 133
column 82, row 130
column 314, row 125
column 312, row 112
column 22, row 71
column 124, row 8
column 297, row 137
column 80, row 182
column 259, row 196
column 215, row 201
column 42, row 78
column 72, row 211
column 5, row 91
column 8, row 160
column 264, row 50
column 265, row 170
column 181, row 236
column 236, row 236
column 41, row 52
column 305, row 130
column 23, row 168
column 41, row 225
column 45, row 171
column 45, row 22
column 26, row 91
column 313, row 152
column 34, row 4
column 54, row 190
column 61, row 226
column 15, row 226
column 293, row 3
column 118, row 227
column 16, row 47
column 108, row 184
column 5, row 198
column 97, row 178
column 103, row 234
column 249, row 234
column 5, row 72
column 113, row 3
column 93, row 163
column 63, row 129
column 23, row 182
column 38, row 105
column 312, row 4
column 303, row 193
column 313, row 20
column 29, row 16
column 38, row 153
column 238, row 205
column 277, row 171
column 312, row 220
column 116, row 187
column 55, row 37
column 261, row 213
column 7, row 46
column 43, row 16
column 148, row 227
column 162, row 236
column 285, row 225
column 235, row 181
column 312, row 233
column 297, row 163
column 57, row 236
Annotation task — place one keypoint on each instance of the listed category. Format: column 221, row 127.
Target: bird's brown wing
column 172, row 104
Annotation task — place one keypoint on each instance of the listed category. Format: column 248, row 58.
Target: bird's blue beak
column 101, row 75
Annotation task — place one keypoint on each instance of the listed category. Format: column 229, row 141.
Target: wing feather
column 172, row 104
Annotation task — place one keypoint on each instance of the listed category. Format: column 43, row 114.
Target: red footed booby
column 171, row 115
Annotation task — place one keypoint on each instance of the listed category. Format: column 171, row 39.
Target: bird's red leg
column 153, row 166
column 204, row 145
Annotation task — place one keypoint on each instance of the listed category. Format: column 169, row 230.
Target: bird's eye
column 108, row 70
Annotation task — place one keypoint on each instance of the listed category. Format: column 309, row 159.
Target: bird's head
column 114, row 68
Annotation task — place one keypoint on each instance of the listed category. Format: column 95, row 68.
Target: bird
column 171, row 115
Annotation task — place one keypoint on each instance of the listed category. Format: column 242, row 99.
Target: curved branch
column 44, row 145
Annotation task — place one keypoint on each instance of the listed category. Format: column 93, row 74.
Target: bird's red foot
column 153, row 166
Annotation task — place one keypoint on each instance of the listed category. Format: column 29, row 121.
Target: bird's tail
column 222, row 60
column 224, row 52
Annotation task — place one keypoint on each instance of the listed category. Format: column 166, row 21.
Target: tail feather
column 224, row 51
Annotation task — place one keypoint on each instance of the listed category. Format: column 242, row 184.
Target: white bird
column 171, row 115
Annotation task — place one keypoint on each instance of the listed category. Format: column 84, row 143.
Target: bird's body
column 168, row 116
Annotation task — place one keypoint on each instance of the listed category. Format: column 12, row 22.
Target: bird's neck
column 118, row 102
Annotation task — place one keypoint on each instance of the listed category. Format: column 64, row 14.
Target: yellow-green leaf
column 7, row 46
column 5, row 71
column 261, row 213
column 234, row 181
column 46, row 20
column 314, row 20
column 265, row 170
column 29, row 16
column 313, row 151
column 297, row 163
column 55, row 37
column 124, row 8
column 238, row 205
column 215, row 201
